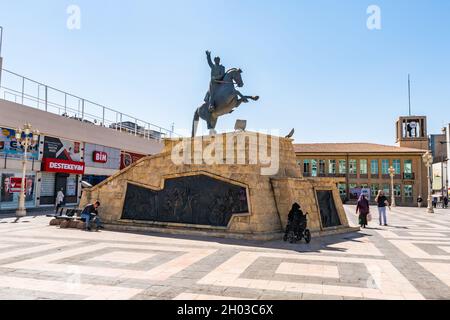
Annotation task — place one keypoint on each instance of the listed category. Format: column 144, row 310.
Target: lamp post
column 428, row 161
column 27, row 139
column 392, row 174
column 444, row 183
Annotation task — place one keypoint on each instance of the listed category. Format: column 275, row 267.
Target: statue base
column 235, row 185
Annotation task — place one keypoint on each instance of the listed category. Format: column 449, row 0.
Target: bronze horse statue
column 226, row 100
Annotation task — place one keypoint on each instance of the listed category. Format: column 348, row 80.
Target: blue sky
column 315, row 64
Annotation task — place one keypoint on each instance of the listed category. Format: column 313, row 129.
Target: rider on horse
column 217, row 74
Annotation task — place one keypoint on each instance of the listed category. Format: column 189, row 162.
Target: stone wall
column 268, row 195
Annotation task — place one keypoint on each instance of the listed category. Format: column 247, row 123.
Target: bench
column 67, row 218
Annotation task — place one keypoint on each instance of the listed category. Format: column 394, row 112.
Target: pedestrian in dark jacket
column 364, row 209
column 89, row 214
column 445, row 202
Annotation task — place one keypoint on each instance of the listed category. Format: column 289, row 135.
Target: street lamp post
column 428, row 161
column 392, row 174
column 27, row 139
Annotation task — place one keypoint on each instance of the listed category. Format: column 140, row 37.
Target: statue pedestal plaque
column 236, row 185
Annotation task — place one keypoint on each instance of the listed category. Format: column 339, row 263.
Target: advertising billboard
column 128, row 158
column 96, row 156
column 10, row 148
column 55, row 148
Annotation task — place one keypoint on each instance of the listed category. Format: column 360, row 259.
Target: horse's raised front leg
column 245, row 98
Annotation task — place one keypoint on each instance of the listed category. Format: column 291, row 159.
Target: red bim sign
column 100, row 157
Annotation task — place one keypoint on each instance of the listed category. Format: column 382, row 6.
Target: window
column 363, row 166
column 398, row 191
column 374, row 190
column 342, row 190
column 385, row 167
column 306, row 167
column 387, row 190
column 332, row 167
column 352, row 167
column 408, row 189
column 354, row 191
column 322, row 167
column 374, row 170
column 342, row 166
column 408, row 166
column 397, row 166
column 364, row 186
column 314, row 168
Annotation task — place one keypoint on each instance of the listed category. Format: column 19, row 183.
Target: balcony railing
column 19, row 89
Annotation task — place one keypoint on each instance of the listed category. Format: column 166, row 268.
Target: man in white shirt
column 59, row 199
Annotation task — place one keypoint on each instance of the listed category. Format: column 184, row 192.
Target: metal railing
column 25, row 91
column 1, row 40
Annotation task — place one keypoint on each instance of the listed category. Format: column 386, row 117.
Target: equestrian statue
column 222, row 97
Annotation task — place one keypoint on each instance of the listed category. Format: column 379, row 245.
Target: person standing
column 445, row 202
column 382, row 203
column 419, row 201
column 59, row 199
column 364, row 209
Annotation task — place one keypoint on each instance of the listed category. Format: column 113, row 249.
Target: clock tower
column 412, row 132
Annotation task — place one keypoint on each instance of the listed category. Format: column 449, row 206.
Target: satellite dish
column 85, row 184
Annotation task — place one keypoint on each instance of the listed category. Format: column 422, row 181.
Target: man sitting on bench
column 90, row 214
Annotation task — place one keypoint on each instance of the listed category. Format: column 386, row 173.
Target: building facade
column 68, row 153
column 438, row 147
column 364, row 167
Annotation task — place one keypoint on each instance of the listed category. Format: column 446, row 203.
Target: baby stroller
column 296, row 229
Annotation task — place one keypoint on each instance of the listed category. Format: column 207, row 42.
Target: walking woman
column 364, row 209
column 382, row 202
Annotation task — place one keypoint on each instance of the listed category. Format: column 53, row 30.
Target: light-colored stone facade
column 270, row 196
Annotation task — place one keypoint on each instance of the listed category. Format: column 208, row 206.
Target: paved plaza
column 410, row 259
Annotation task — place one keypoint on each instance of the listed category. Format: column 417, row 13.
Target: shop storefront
column 62, row 168
column 101, row 163
column 11, row 155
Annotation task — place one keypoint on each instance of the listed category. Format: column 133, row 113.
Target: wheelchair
column 297, row 230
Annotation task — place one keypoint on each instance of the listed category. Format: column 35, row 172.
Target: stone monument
column 237, row 185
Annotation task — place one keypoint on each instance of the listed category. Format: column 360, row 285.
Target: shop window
column 408, row 189
column 374, row 188
column 398, row 190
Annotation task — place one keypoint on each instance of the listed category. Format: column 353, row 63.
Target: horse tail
column 195, row 123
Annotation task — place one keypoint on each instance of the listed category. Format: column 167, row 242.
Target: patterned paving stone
column 410, row 259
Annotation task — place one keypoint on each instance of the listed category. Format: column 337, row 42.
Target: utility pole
column 409, row 93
